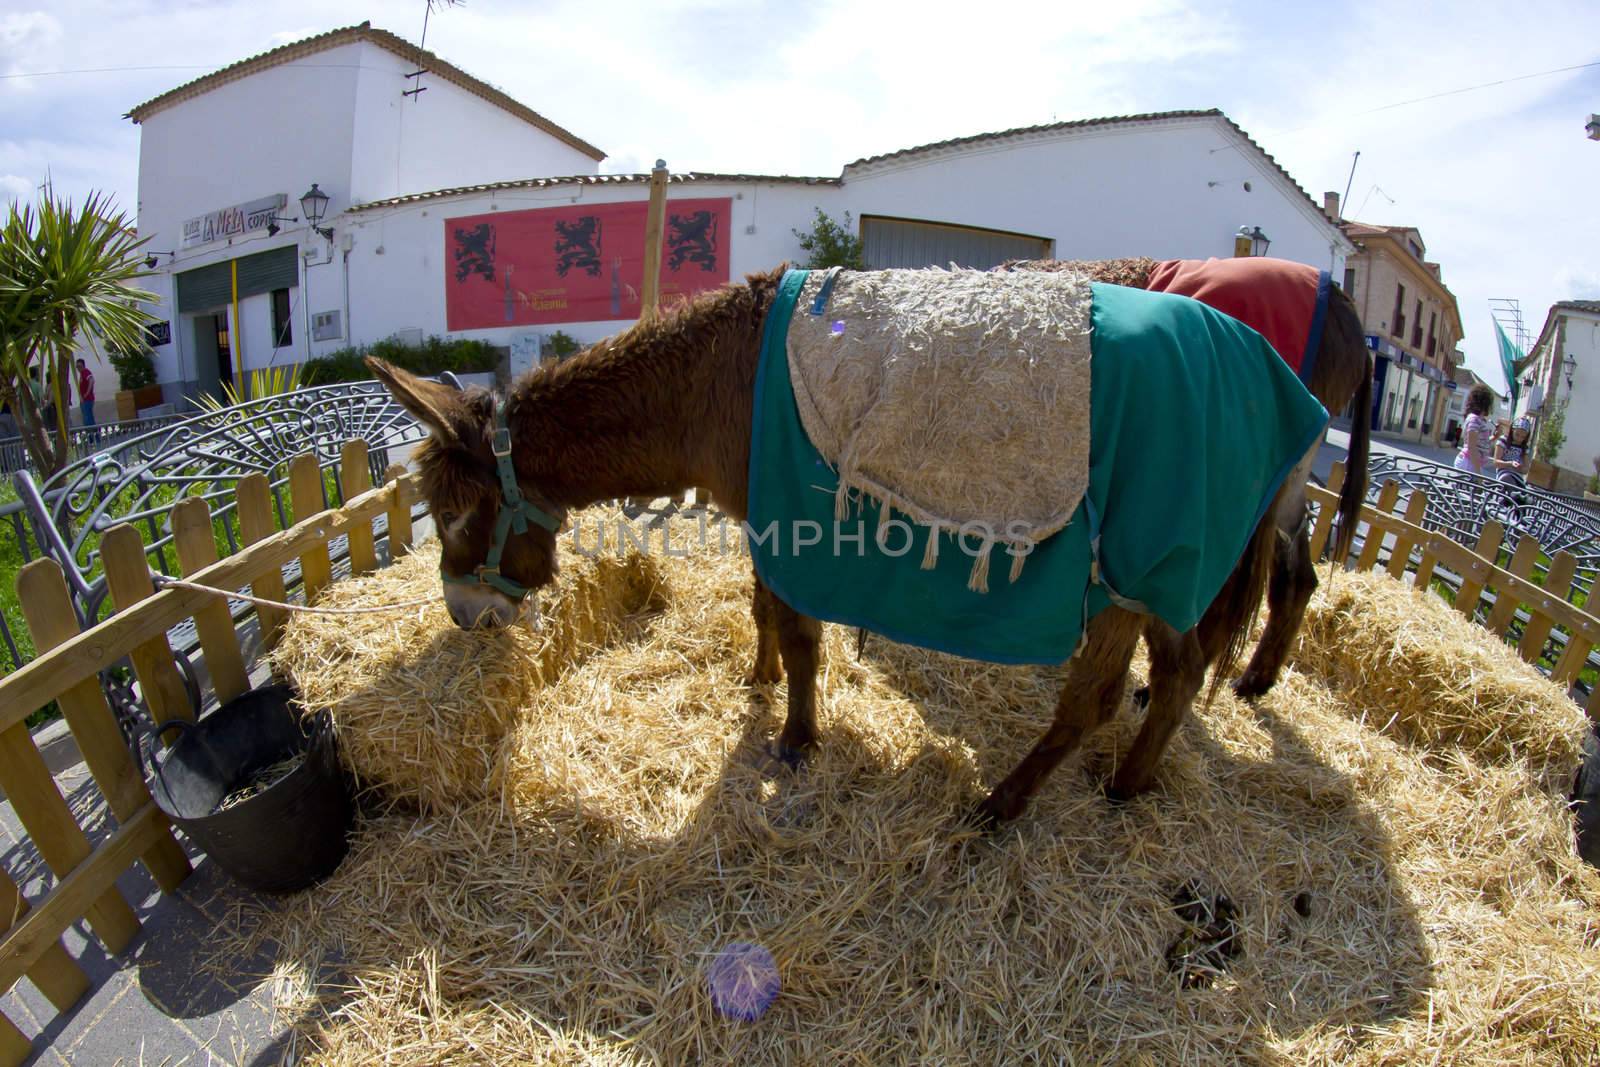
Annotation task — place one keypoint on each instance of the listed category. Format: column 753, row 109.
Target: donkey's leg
column 1294, row 579
column 1177, row 670
column 768, row 668
column 800, row 645
column 1093, row 690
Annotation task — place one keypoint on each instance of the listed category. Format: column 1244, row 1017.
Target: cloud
column 14, row 187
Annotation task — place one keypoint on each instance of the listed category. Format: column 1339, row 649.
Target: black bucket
column 284, row 838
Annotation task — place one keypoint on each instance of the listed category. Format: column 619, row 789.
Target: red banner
column 582, row 263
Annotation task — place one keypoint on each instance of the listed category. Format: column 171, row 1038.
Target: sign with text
column 582, row 263
column 158, row 333
column 233, row 221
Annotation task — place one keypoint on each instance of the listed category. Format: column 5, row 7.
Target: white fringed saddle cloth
column 958, row 398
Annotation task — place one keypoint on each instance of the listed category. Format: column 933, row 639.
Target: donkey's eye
column 448, row 518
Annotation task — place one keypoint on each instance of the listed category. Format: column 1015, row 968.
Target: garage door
column 912, row 243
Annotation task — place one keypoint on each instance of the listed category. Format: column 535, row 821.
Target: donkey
column 668, row 405
column 1341, row 370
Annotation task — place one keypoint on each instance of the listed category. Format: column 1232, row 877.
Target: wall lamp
column 1569, row 365
column 273, row 227
column 150, row 261
column 1250, row 241
column 313, row 205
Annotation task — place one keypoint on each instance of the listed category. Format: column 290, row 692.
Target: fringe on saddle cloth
column 958, row 398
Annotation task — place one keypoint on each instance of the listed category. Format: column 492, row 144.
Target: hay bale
column 1389, row 897
column 422, row 707
column 1420, row 671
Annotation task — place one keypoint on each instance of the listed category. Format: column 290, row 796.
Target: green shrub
column 830, row 244
column 135, row 367
column 433, row 356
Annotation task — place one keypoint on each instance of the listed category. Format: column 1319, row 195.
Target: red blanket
column 1282, row 301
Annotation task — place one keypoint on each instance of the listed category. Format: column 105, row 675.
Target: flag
column 1510, row 356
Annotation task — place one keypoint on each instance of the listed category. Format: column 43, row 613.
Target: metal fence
column 1459, row 503
column 137, row 479
column 84, row 440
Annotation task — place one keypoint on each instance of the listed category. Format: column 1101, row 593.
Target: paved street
column 1338, row 441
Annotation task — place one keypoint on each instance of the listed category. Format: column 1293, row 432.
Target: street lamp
column 1593, row 127
column 313, row 205
column 1569, row 365
column 1250, row 241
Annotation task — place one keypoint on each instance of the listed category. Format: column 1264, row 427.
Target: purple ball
column 744, row 982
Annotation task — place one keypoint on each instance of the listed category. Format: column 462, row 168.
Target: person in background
column 86, row 393
column 1511, row 458
column 1475, row 432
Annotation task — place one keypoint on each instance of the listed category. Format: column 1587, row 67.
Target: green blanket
column 1194, row 422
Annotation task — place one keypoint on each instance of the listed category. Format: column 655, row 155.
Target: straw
column 577, row 829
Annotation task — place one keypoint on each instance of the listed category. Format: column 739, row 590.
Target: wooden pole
column 650, row 290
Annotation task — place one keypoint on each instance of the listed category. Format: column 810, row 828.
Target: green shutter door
column 212, row 286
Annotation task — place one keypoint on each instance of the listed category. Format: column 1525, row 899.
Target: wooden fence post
column 1505, row 601
column 1324, row 524
column 399, row 512
column 1387, row 496
column 192, row 536
column 1557, row 582
column 48, row 609
column 1400, row 557
column 128, row 578
column 305, row 489
column 254, row 497
column 355, row 478
column 44, row 813
column 60, row 979
column 1488, row 547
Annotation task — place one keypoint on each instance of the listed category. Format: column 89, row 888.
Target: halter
column 515, row 514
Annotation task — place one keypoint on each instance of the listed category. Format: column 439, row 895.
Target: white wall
column 1582, row 427
column 443, row 138
column 1169, row 190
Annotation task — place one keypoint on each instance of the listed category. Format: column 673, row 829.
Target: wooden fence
column 67, row 667
column 67, row 671
column 1555, row 634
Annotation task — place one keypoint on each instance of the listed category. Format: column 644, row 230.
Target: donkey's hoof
column 757, row 677
column 790, row 757
column 1249, row 686
column 985, row 819
column 1141, row 698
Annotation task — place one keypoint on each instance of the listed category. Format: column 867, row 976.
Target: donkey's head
column 498, row 546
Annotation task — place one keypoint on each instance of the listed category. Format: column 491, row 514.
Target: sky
column 1468, row 116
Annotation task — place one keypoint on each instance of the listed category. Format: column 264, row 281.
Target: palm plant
column 65, row 273
column 263, row 381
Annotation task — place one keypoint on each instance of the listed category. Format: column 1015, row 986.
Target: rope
column 162, row 582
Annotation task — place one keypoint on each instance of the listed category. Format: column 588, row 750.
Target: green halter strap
column 515, row 514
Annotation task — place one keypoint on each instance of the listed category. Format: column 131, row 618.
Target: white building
column 1565, row 370
column 460, row 212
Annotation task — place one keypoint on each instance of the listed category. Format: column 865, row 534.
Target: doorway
column 213, row 354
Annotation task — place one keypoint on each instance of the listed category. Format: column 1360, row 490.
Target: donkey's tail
column 1354, row 492
column 1226, row 627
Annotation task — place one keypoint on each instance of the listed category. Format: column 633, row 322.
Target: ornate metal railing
column 84, row 440
column 1459, row 503
column 137, row 481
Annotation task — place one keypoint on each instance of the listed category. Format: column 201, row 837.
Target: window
column 282, row 330
column 1416, row 328
column 1398, row 327
column 1433, row 320
column 1350, row 280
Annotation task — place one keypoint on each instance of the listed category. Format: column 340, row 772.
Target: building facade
column 1412, row 326
column 1562, row 374
column 460, row 212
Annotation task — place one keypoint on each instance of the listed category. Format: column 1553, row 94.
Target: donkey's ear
column 433, row 403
